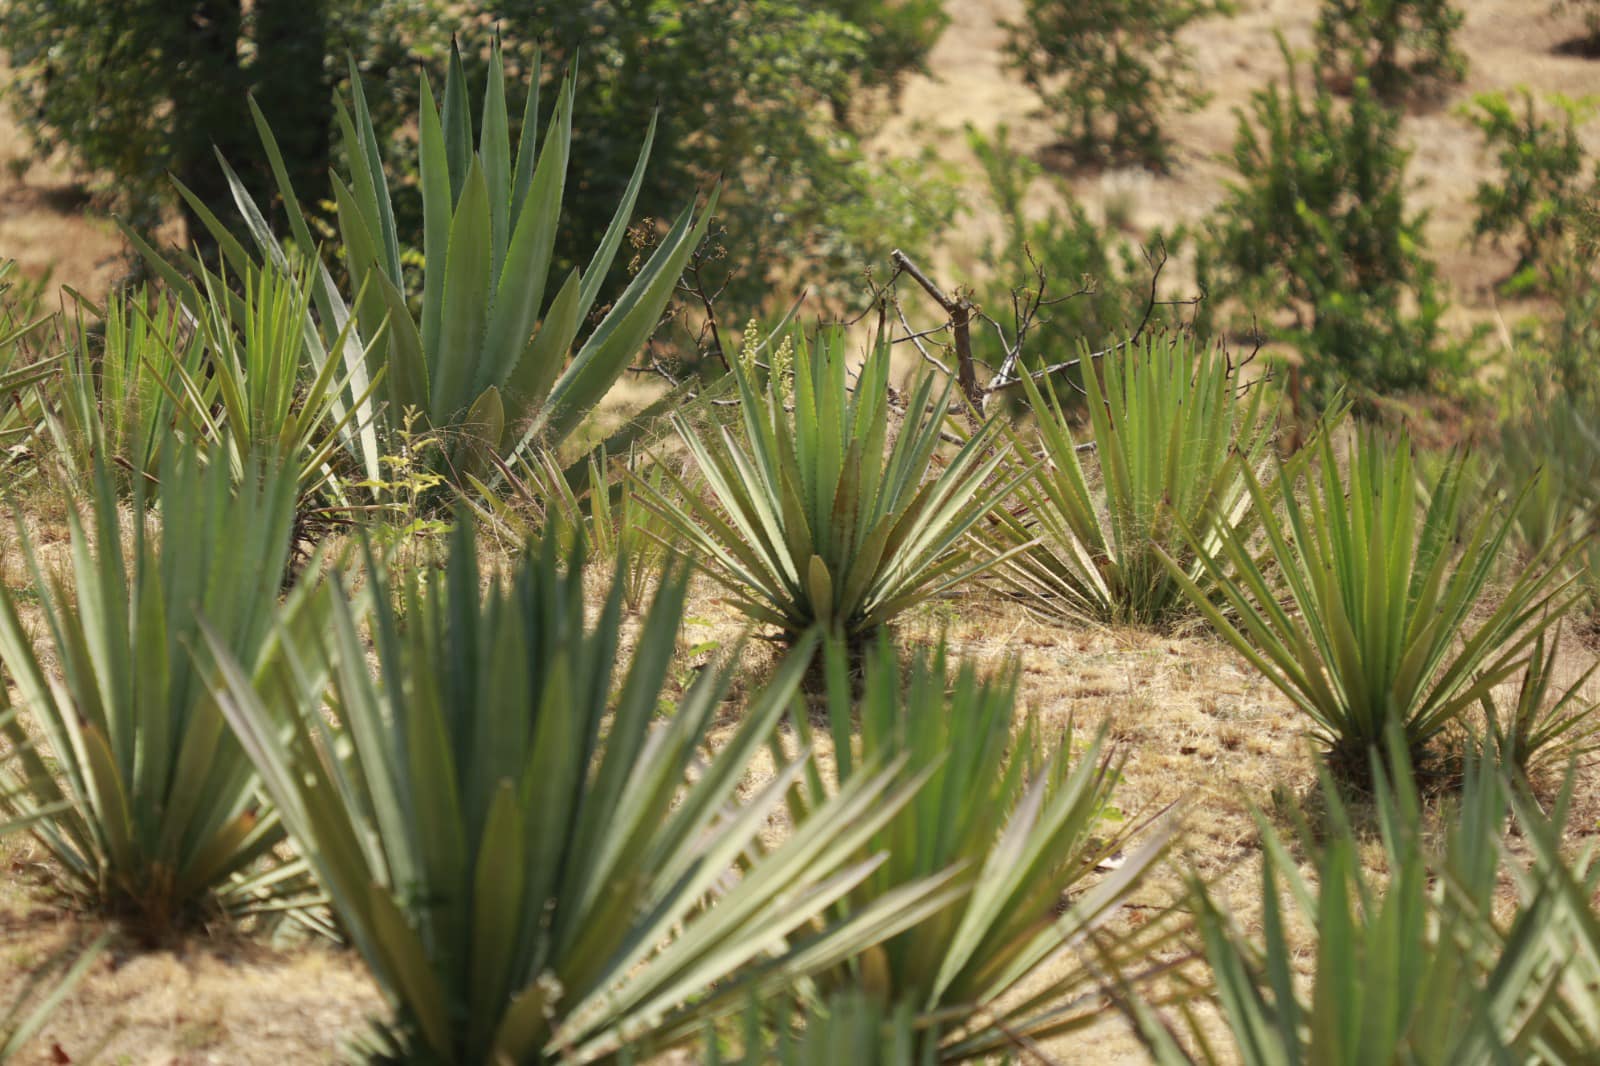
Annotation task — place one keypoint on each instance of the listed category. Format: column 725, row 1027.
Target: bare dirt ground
column 1197, row 726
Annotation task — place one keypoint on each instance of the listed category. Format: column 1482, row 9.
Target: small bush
column 1542, row 186
column 1317, row 223
column 1400, row 46
column 1109, row 70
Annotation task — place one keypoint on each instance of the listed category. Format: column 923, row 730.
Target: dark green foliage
column 1398, row 45
column 1315, row 238
column 745, row 90
column 899, row 36
column 1109, row 69
column 149, row 87
column 1542, row 185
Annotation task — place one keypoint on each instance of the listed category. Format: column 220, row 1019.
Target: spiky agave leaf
column 488, row 355
column 1412, row 967
column 1025, row 826
column 532, row 864
column 815, row 518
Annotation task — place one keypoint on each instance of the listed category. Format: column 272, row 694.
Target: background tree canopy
column 137, row 89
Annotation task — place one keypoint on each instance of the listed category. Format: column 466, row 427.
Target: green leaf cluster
column 1314, row 238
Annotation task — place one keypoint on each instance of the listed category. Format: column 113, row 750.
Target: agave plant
column 18, row 322
column 1569, row 1030
column 816, row 519
column 609, row 516
column 1409, row 966
column 1551, row 456
column 533, row 869
column 1173, row 430
column 487, row 357
column 1382, row 619
column 123, row 399
column 132, row 781
column 1026, row 829
column 1538, row 732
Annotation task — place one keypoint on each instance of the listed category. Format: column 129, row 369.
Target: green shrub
column 1541, row 187
column 1317, row 225
column 1016, row 827
column 1367, row 612
column 133, row 784
column 899, row 34
column 1108, row 70
column 1410, row 964
column 1173, row 431
column 812, row 520
column 535, row 867
column 1400, row 46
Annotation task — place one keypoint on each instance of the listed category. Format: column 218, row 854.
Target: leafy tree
column 1398, row 45
column 1317, row 222
column 1542, row 186
column 1109, row 68
column 137, row 89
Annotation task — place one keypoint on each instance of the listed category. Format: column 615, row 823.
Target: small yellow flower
column 782, row 371
column 751, row 343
